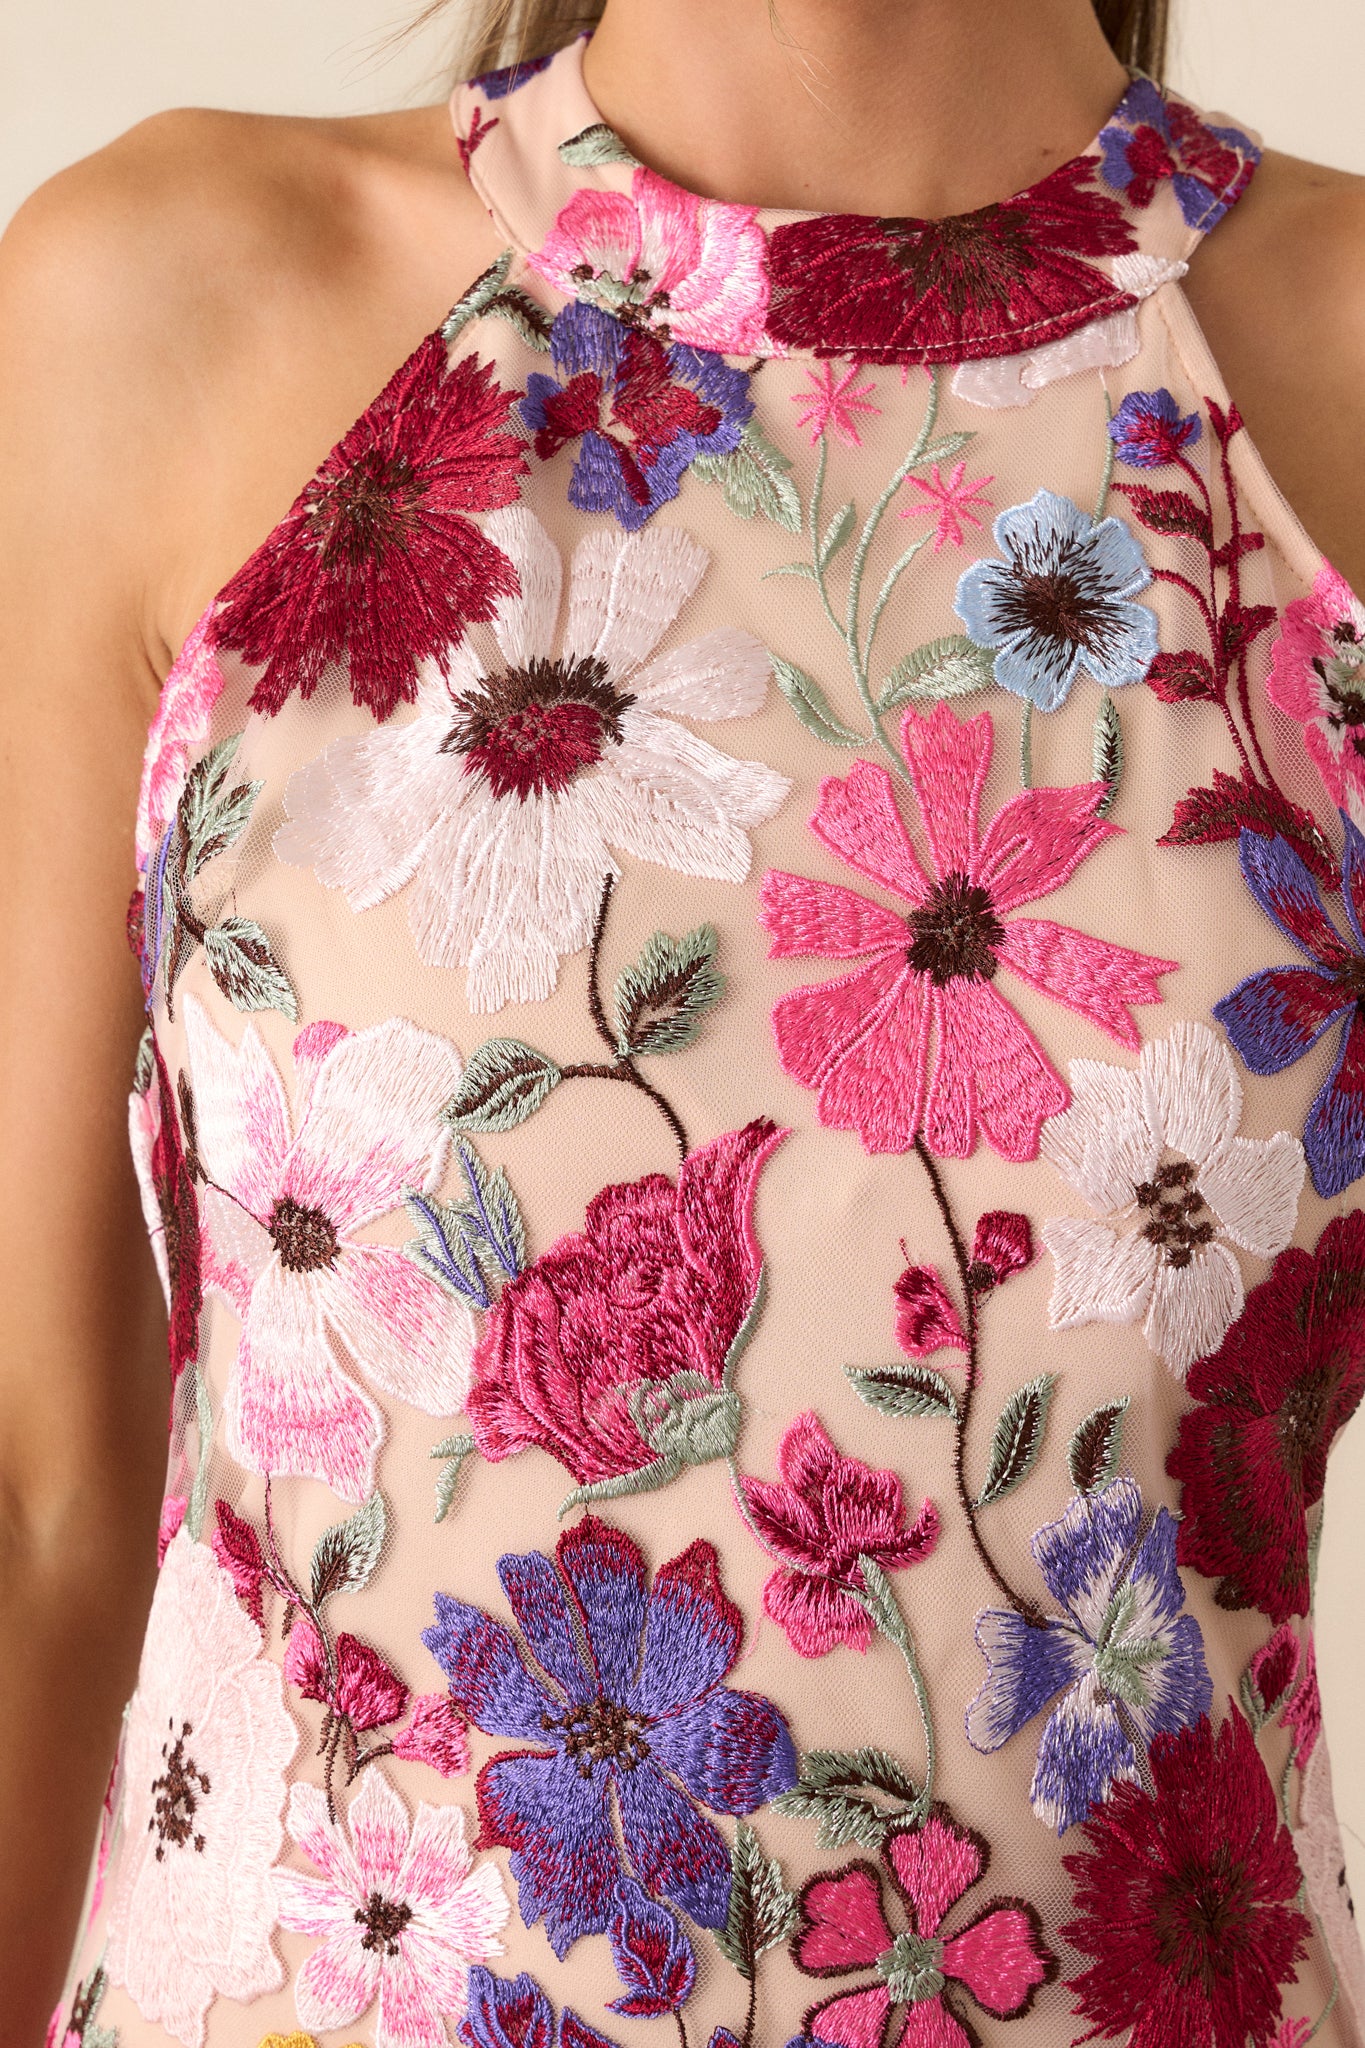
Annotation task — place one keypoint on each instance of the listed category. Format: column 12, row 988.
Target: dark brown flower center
column 1343, row 682
column 304, row 1238
column 530, row 731
column 956, row 935
column 972, row 259
column 1201, row 1923
column 1303, row 1418
column 176, row 1795
column 1178, row 1218
column 383, row 1920
column 1056, row 603
column 361, row 515
column 598, row 1732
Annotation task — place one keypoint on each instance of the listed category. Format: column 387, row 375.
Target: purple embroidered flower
column 1151, row 138
column 496, row 85
column 619, row 1687
column 513, row 2012
column 1149, row 429
column 641, row 410
column 1275, row 1016
column 1128, row 1664
column 653, row 1957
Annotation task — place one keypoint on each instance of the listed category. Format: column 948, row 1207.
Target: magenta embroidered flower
column 1317, row 676
column 188, row 695
column 1003, row 1244
column 999, row 1958
column 170, row 1209
column 287, row 1194
column 828, row 1514
column 693, row 270
column 926, row 1318
column 436, row 1734
column 863, row 1041
column 401, row 1912
column 952, row 505
column 830, row 403
column 1152, row 137
column 362, row 1689
column 172, row 1515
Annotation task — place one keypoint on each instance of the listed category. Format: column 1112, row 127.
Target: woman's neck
column 919, row 107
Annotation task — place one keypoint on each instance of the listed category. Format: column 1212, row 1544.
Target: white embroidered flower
column 1322, row 1859
column 495, row 805
column 207, row 1742
column 1159, row 1146
column 1004, row 381
column 401, row 1909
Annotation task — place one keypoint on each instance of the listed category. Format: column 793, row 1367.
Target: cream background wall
column 74, row 73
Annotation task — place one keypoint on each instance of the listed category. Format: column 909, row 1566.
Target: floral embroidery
column 170, row 1209
column 401, row 1911
column 1060, row 602
column 509, row 78
column 495, row 806
column 863, row 1041
column 1128, row 1664
column 1160, row 1146
column 1185, row 1898
column 951, row 505
column 1149, row 429
column 1252, row 1455
column 1281, row 1682
column 641, row 410
column 653, row 1957
column 689, row 270
column 1322, row 1858
column 515, row 2013
column 1317, row 676
column 1152, row 138
column 284, row 1198
column 626, row 1706
column 831, row 402
column 207, row 1743
column 82, row 2030
column 999, row 1957
column 378, row 563
column 181, row 725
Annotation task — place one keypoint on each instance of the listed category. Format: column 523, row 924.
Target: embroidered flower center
column 1200, row 1924
column 972, row 259
column 1303, row 1418
column 530, row 731
column 629, row 299
column 955, row 935
column 1178, row 1218
column 912, row 1968
column 369, row 509
column 598, row 1732
column 305, row 1239
column 178, row 1792
column 383, row 1920
column 1343, row 682
column 1056, row 600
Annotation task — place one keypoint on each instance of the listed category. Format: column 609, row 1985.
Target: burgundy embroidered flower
column 926, row 1318
column 989, row 283
column 999, row 1957
column 1185, row 1899
column 377, row 564
column 1252, row 1455
column 653, row 1957
column 1003, row 1245
column 237, row 1548
column 364, row 1691
column 626, row 1327
column 828, row 1513
column 170, row 1209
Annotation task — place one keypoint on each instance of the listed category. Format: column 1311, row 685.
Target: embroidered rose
column 207, row 1741
column 688, row 269
column 1317, row 676
column 1159, row 1147
column 626, row 1326
column 286, row 1195
column 1127, row 1663
column 1152, row 138
column 170, row 1209
column 618, row 1690
column 1252, row 1454
column 999, row 1958
column 863, row 1041
column 496, row 805
column 1185, row 1898
column 640, row 411
column 401, row 1912
column 188, row 695
column 513, row 2012
column 829, row 1512
column 378, row 565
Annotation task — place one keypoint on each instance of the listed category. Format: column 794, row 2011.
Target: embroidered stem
column 1335, row 1992
column 1235, row 597
column 621, row 1066
column 1110, row 451
column 1024, row 1607
column 199, row 1492
column 1026, row 746
column 746, row 2038
column 880, row 1601
column 682, row 2030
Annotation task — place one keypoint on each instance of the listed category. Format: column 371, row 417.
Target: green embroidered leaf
column 944, row 450
column 1018, row 1438
column 1093, row 1453
column 503, row 1084
column 903, row 1390
column 645, row 1479
column 495, row 1210
column 347, row 1553
column 520, row 310
column 661, row 998
column 454, row 1449
column 211, row 818
column 793, row 569
column 836, row 533
column 762, row 1911
column 743, row 1336
column 241, row 962
column 950, row 667
column 198, row 1504
column 826, row 1793
column 145, row 1064
column 685, row 1419
column 841, row 1822
column 812, row 706
column 479, row 296
column 846, row 1769
column 756, row 480
column 595, row 145
column 1107, row 753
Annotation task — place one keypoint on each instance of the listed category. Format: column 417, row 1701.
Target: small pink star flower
column 832, row 404
column 953, row 503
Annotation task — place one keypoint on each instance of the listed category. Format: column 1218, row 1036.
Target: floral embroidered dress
column 753, row 917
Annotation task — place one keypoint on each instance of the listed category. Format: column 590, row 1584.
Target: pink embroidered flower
column 401, row 1911
column 999, row 1958
column 207, row 1741
column 953, row 504
column 1322, row 1859
column 287, row 1195
column 437, row 1734
column 1303, row 1714
column 1317, row 676
column 363, row 1690
column 172, row 1515
column 694, row 270
column 170, row 1210
column 828, row 1513
column 188, row 695
column 863, row 1041
column 1003, row 1245
column 830, row 403
column 926, row 1318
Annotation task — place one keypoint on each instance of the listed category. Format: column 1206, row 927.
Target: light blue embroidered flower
column 1128, row 1664
column 1060, row 602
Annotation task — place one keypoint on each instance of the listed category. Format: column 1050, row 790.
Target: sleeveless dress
column 753, row 916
